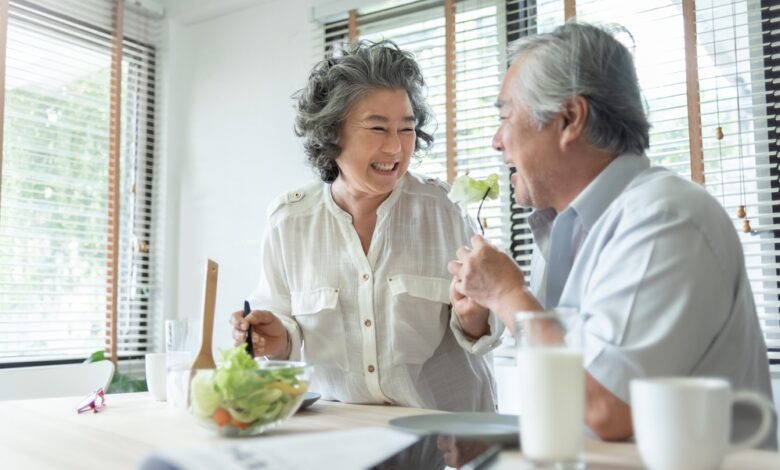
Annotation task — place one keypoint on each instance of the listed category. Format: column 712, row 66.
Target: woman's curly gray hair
column 337, row 83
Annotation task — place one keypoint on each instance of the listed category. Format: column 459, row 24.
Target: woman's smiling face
column 377, row 142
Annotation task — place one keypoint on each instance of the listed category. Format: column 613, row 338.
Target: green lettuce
column 251, row 395
column 467, row 190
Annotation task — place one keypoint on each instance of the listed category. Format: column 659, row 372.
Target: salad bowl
column 245, row 396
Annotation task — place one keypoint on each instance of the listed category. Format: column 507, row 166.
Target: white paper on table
column 354, row 449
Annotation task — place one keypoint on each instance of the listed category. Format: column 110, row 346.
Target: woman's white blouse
column 377, row 327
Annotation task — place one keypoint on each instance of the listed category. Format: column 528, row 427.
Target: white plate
column 488, row 426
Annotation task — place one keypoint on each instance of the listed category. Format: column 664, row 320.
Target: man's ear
column 574, row 115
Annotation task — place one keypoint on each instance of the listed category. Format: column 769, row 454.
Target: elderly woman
column 354, row 267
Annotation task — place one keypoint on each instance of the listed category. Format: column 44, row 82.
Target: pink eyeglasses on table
column 95, row 402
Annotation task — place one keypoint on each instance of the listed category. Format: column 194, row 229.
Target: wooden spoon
column 205, row 359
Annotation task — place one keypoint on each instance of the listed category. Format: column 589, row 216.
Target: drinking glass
column 178, row 365
column 552, row 392
column 176, row 335
column 178, row 362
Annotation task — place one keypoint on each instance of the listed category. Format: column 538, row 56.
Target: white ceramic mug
column 684, row 423
column 155, row 375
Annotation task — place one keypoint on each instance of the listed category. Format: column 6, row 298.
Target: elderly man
column 650, row 261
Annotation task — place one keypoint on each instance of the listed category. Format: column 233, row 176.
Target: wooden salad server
column 205, row 358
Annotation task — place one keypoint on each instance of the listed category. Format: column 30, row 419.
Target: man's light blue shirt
column 654, row 267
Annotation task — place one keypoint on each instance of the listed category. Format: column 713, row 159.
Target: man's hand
column 269, row 336
column 485, row 274
column 473, row 317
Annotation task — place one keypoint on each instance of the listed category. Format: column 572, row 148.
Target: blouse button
column 371, row 368
column 366, row 276
column 295, row 196
column 367, row 322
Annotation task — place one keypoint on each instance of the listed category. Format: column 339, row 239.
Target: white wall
column 231, row 147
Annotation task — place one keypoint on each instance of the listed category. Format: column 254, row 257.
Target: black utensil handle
column 249, row 348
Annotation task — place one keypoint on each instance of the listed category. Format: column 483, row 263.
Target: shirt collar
column 388, row 203
column 383, row 208
column 607, row 186
column 595, row 198
column 540, row 222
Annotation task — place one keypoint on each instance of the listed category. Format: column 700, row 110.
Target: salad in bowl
column 245, row 396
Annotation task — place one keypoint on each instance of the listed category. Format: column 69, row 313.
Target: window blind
column 55, row 267
column 139, row 322
column 480, row 45
column 770, row 19
column 738, row 64
column 334, row 36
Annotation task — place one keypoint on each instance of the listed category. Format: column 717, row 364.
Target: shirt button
column 367, row 322
column 371, row 368
column 366, row 277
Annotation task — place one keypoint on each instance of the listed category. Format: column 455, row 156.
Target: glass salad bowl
column 245, row 396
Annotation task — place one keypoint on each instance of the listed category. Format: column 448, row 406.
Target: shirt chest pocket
column 319, row 317
column 419, row 316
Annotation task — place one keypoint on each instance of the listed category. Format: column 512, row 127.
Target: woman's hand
column 489, row 277
column 473, row 317
column 269, row 336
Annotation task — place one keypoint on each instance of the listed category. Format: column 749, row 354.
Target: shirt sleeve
column 481, row 345
column 272, row 292
column 656, row 300
column 489, row 342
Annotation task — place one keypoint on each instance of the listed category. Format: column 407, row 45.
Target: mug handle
column 767, row 411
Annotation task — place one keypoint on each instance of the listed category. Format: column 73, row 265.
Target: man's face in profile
column 523, row 145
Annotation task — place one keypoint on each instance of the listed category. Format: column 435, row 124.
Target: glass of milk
column 552, row 392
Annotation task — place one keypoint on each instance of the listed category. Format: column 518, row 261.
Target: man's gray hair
column 583, row 60
column 337, row 83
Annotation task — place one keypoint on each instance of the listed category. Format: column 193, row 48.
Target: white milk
column 552, row 403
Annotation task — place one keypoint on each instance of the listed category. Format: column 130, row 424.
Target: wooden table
column 48, row 433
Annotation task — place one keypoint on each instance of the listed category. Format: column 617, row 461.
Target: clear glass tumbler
column 176, row 335
column 178, row 361
column 552, row 392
